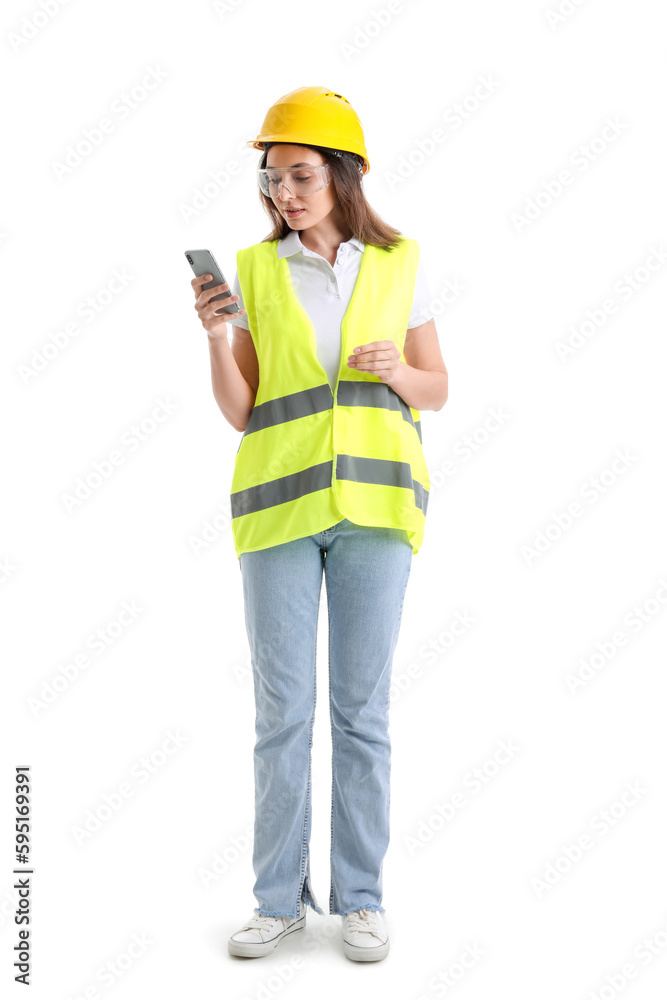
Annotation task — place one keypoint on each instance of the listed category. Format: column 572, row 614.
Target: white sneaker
column 262, row 934
column 365, row 937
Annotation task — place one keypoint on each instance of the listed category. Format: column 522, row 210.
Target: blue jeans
column 366, row 571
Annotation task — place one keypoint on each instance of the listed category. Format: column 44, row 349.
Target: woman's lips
column 289, row 211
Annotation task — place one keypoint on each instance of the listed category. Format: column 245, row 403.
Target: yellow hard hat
column 317, row 117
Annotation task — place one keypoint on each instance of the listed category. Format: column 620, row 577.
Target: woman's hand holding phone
column 214, row 323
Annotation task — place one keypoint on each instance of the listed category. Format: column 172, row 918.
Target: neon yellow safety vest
column 310, row 457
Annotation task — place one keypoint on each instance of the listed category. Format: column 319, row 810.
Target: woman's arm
column 234, row 375
column 422, row 380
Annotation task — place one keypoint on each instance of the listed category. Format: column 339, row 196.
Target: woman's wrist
column 218, row 335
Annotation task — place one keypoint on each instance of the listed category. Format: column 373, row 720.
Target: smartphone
column 203, row 262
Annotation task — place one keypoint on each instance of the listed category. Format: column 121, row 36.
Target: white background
column 182, row 665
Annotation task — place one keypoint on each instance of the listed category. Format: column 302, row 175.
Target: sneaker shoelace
column 260, row 922
column 363, row 922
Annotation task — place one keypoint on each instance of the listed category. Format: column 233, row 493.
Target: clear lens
column 300, row 181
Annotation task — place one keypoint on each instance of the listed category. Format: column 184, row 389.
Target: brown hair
column 358, row 216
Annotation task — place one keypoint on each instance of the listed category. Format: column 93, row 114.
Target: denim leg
column 281, row 589
column 366, row 571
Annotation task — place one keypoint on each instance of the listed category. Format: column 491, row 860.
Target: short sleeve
column 421, row 304
column 237, row 320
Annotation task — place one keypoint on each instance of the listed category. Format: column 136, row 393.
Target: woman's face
column 316, row 206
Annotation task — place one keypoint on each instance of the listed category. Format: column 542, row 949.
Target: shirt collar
column 292, row 244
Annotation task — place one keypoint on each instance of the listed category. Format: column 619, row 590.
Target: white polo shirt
column 325, row 292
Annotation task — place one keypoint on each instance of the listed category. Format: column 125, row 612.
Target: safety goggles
column 301, row 182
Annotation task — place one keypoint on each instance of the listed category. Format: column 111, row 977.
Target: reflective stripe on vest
column 300, row 404
column 309, row 456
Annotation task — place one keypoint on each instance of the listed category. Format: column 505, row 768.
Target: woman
column 325, row 377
